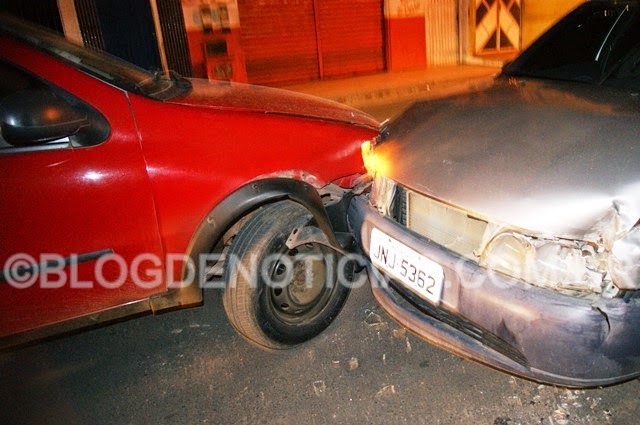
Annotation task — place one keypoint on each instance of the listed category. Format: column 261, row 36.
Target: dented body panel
column 507, row 324
column 504, row 225
column 554, row 158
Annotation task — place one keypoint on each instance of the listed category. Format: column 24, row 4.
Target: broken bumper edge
column 507, row 324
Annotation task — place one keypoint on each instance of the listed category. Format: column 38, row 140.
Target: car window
column 35, row 115
column 597, row 43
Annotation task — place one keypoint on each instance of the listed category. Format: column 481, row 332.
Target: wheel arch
column 249, row 197
column 233, row 208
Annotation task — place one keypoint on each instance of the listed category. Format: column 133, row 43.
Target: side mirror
column 37, row 117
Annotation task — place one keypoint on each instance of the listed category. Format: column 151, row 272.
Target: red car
column 125, row 192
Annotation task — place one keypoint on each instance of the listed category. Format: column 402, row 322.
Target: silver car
column 504, row 225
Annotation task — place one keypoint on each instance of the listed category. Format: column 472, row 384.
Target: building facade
column 277, row 42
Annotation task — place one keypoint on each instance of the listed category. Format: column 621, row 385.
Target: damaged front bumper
column 505, row 323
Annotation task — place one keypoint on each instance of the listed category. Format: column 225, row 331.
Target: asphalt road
column 189, row 367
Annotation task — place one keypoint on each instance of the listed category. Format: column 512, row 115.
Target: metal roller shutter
column 89, row 24
column 279, row 40
column 174, row 35
column 350, row 36
column 442, row 32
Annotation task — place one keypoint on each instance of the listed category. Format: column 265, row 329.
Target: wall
column 196, row 36
column 539, row 15
column 441, row 20
column 69, row 19
column 406, row 36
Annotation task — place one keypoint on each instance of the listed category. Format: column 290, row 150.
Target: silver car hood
column 557, row 159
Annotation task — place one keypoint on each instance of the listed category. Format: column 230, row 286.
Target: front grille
column 451, row 228
column 443, row 224
column 399, row 206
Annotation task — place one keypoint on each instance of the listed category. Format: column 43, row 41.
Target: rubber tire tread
column 240, row 300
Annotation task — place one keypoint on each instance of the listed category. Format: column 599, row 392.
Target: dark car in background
column 504, row 225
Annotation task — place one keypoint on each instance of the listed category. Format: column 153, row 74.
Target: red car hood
column 250, row 98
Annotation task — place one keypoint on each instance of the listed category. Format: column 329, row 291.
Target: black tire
column 267, row 298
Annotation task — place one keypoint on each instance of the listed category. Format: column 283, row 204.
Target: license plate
column 417, row 272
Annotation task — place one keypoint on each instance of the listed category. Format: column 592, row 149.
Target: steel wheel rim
column 306, row 293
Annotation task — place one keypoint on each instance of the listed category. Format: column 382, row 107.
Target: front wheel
column 277, row 297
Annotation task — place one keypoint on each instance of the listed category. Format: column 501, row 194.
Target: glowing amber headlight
column 372, row 162
column 368, row 156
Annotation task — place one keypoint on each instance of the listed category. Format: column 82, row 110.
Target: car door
column 78, row 230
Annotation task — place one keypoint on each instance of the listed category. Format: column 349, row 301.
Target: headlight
column 368, row 157
column 625, row 260
column 556, row 264
column 375, row 164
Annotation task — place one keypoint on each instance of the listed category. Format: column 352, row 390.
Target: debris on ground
column 374, row 320
column 353, row 363
column 387, row 390
column 399, row 333
column 560, row 416
column 555, row 406
column 319, row 387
